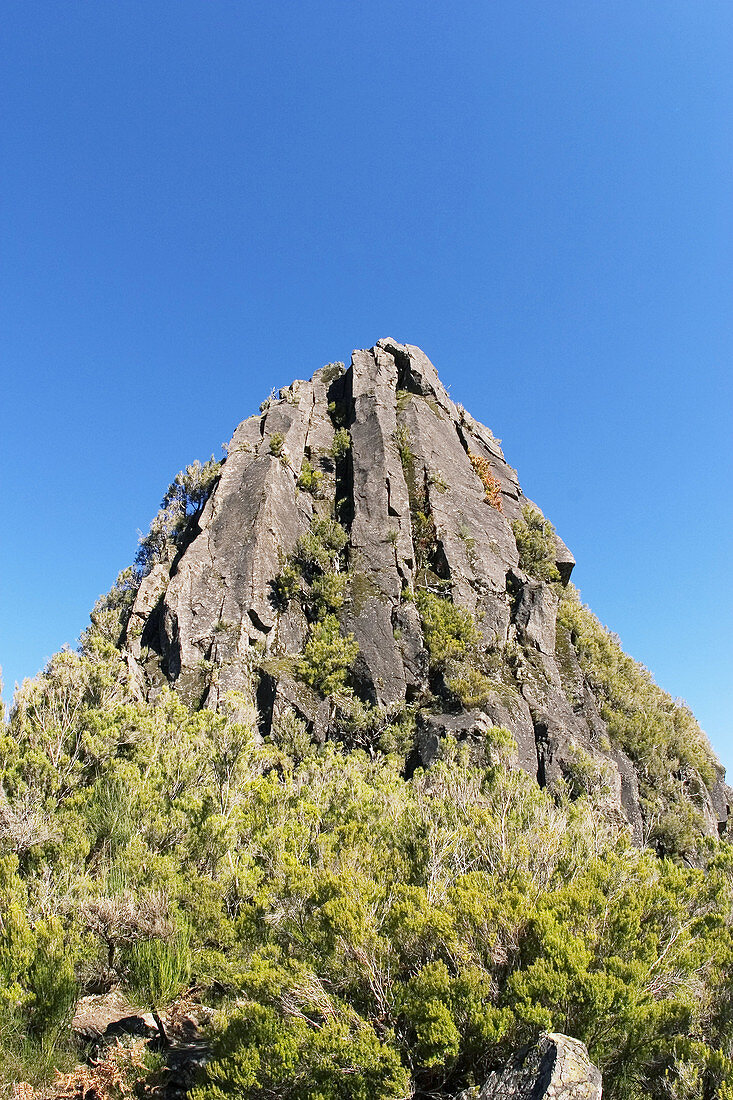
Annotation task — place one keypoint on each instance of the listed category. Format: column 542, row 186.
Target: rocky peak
column 364, row 496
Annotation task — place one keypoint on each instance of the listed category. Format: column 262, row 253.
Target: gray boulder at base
column 556, row 1067
column 207, row 621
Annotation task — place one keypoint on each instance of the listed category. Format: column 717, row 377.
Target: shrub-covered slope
column 343, row 756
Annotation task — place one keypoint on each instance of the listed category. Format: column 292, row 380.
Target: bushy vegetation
column 424, row 534
column 319, row 549
column 341, row 444
column 314, row 575
column 492, row 488
column 535, row 537
column 327, row 657
column 454, row 643
column 362, row 935
column 277, row 444
column 674, row 761
column 310, row 479
column 449, row 630
column 184, row 500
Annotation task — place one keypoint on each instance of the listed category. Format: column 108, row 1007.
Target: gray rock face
column 556, row 1068
column 426, row 499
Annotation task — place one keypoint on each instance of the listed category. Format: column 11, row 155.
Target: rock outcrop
column 556, row 1067
column 427, row 501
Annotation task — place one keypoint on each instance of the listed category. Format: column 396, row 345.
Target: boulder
column 556, row 1067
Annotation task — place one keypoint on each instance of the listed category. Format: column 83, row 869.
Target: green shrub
column 290, row 734
column 535, row 538
column 449, row 630
column 327, row 657
column 404, row 446
column 286, row 585
column 159, row 971
column 471, row 686
column 185, row 498
column 322, row 545
column 37, row 987
column 111, row 612
column 423, row 537
column 327, row 593
column 310, row 479
column 438, row 482
column 338, row 412
column 341, row 444
column 659, row 734
column 262, row 1054
column 277, row 444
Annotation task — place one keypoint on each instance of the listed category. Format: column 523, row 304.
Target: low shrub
column 260, row 1053
column 321, row 546
column 535, row 538
column 449, row 630
column 471, row 686
column 492, row 488
column 327, row 657
column 341, row 444
column 277, row 444
column 327, row 594
column 310, row 479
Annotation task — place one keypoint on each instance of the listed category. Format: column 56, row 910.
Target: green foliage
column 449, row 630
column 675, row 763
column 37, row 987
column 327, row 594
column 286, row 586
column 438, row 482
column 341, row 444
column 470, row 685
column 327, row 657
column 404, row 446
column 321, row 546
column 310, row 479
column 363, row 934
column 622, row 978
column 318, row 563
column 111, row 612
column 423, row 536
column 290, row 734
column 454, row 643
column 277, row 444
column 261, row 1054
column 185, row 499
column 585, row 774
column 535, row 538
column 158, row 970
column 269, row 401
column 338, row 411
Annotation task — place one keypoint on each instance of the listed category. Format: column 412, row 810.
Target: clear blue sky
column 202, row 200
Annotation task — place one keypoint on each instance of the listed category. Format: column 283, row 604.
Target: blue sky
column 202, row 200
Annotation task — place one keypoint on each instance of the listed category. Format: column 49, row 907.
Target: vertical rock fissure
column 341, row 401
column 542, row 746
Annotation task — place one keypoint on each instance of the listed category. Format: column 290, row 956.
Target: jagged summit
column 367, row 496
